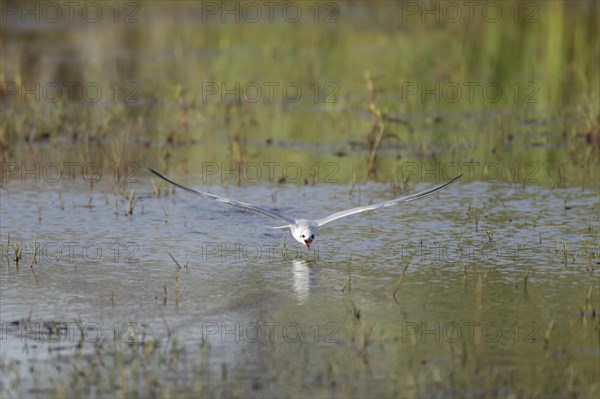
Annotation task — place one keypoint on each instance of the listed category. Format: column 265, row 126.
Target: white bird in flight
column 304, row 230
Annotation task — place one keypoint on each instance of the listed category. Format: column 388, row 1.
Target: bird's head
column 305, row 236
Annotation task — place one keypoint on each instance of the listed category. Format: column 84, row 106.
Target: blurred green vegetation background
column 369, row 85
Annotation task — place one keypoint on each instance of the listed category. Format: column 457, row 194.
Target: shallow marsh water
column 487, row 289
column 241, row 316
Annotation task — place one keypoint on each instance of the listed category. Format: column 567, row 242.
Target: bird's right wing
column 395, row 201
column 239, row 204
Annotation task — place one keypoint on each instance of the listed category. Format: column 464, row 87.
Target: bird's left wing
column 239, row 204
column 401, row 200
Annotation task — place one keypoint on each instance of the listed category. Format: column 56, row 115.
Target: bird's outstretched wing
column 239, row 204
column 401, row 200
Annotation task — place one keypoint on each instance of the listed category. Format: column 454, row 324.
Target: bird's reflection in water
column 305, row 277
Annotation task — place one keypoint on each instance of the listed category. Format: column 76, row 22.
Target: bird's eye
column 302, row 236
column 312, row 236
